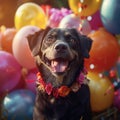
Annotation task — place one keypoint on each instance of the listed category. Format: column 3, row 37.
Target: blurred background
column 97, row 19
column 9, row 7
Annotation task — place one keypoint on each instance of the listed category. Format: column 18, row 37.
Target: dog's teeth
column 55, row 63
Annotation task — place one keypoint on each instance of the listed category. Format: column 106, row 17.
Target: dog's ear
column 35, row 40
column 86, row 44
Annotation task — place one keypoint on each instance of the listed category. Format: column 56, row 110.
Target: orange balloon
column 104, row 52
column 1, row 36
column 98, row 87
column 85, row 7
column 7, row 38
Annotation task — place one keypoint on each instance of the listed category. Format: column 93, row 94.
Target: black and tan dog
column 61, row 92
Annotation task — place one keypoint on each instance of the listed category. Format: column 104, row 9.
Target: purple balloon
column 117, row 99
column 10, row 73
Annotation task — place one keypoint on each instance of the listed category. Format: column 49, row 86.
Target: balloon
column 46, row 8
column 104, row 52
column 118, row 38
column 30, row 80
column 84, row 7
column 116, row 101
column 85, row 27
column 7, row 38
column 18, row 105
column 95, row 21
column 118, row 67
column 98, row 86
column 30, row 14
column 10, row 73
column 1, row 37
column 70, row 21
column 21, row 49
column 110, row 15
column 7, row 11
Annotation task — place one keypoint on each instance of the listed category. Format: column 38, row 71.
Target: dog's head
column 60, row 50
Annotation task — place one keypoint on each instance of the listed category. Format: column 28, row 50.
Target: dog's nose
column 60, row 47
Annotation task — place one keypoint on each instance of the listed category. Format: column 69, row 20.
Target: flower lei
column 61, row 91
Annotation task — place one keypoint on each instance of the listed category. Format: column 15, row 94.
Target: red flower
column 48, row 88
column 55, row 93
column 41, row 81
column 63, row 91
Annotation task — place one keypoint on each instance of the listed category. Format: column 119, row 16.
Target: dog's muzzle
column 60, row 59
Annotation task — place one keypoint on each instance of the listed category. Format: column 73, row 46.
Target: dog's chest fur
column 72, row 107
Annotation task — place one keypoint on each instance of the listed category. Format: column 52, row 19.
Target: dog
column 59, row 55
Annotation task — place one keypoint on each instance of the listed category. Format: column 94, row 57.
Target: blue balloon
column 18, row 105
column 110, row 15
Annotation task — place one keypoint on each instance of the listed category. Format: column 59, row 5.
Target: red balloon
column 7, row 38
column 104, row 52
column 10, row 73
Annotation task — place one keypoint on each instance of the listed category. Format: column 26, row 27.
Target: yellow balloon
column 84, row 7
column 30, row 14
column 99, row 85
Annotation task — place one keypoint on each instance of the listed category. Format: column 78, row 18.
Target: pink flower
column 48, row 88
column 55, row 93
column 65, row 11
column 56, row 15
column 81, row 78
column 85, row 71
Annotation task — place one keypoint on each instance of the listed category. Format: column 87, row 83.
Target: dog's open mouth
column 58, row 65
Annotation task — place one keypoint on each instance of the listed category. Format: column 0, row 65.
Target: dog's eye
column 71, row 39
column 50, row 39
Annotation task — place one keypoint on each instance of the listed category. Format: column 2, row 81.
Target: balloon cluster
column 105, row 49
column 17, row 65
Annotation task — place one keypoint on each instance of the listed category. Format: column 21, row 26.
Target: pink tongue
column 59, row 66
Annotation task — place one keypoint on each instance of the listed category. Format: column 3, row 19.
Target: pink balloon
column 10, row 73
column 21, row 49
column 70, row 21
column 30, row 80
column 96, row 22
column 86, row 28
